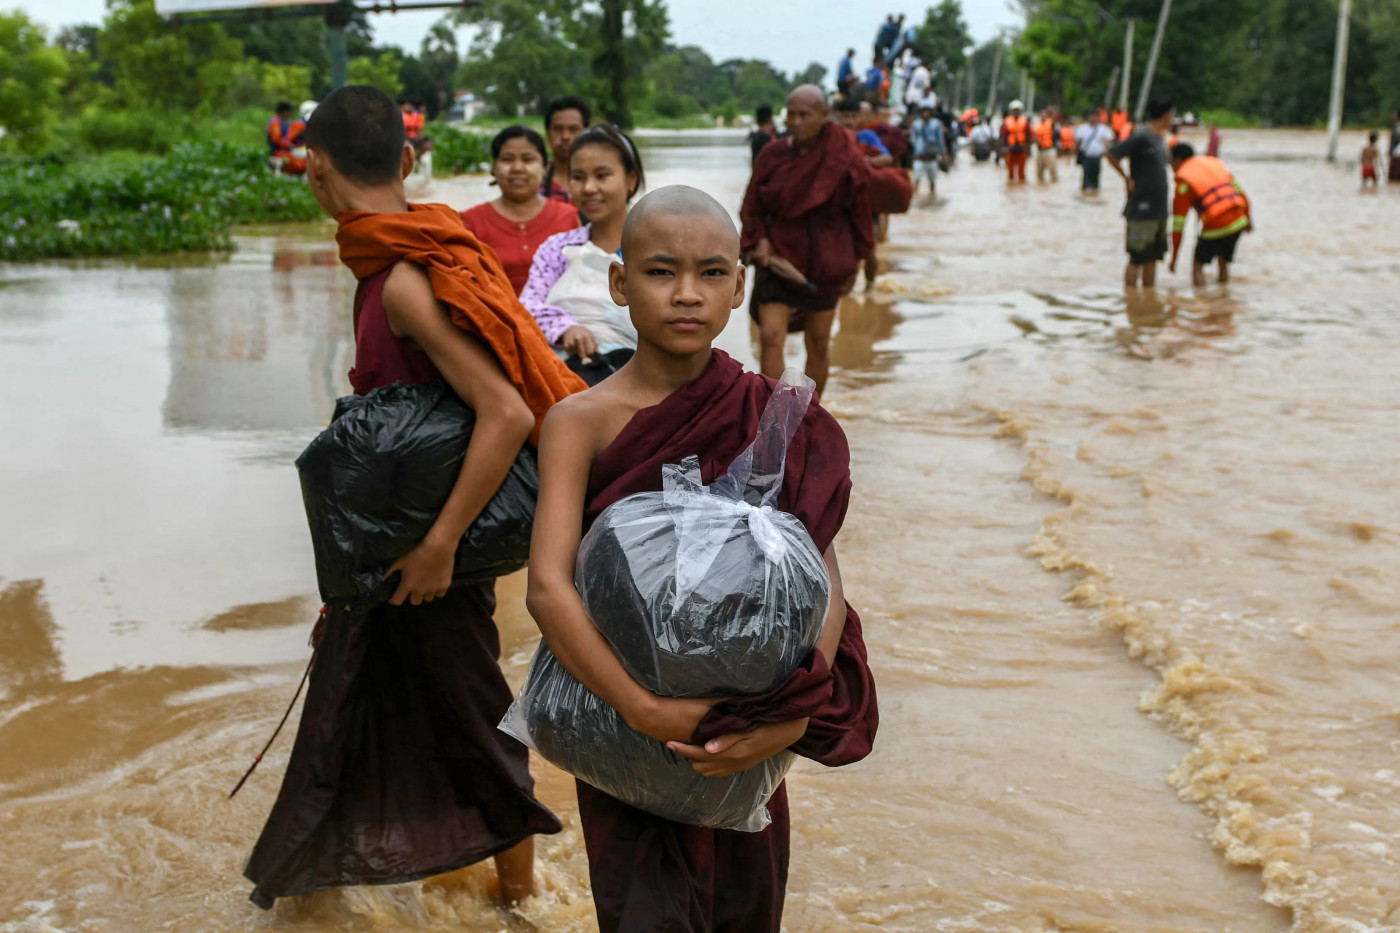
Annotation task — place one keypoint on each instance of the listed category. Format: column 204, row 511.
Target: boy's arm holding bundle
column 503, row 424
column 739, row 751
column 568, row 446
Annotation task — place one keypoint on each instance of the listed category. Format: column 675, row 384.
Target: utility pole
column 1339, row 79
column 1025, row 84
column 996, row 77
column 1127, row 66
column 338, row 16
column 1030, row 96
column 1152, row 60
column 1112, row 86
column 970, row 85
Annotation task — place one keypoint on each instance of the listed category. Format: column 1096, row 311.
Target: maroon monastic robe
column 651, row 875
column 813, row 207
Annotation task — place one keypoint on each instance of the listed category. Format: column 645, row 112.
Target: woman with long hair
column 568, row 287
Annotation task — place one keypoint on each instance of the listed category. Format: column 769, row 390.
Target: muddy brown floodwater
column 1128, row 568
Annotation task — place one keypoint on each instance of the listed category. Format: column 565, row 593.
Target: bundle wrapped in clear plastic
column 701, row 592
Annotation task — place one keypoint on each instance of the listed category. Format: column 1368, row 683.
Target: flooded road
column 1128, row 568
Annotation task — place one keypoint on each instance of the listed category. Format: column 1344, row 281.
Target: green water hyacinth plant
column 186, row 201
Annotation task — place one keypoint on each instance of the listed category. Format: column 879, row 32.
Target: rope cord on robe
column 315, row 642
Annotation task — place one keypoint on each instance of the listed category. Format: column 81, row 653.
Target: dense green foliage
column 185, row 201
column 1265, row 60
column 457, row 150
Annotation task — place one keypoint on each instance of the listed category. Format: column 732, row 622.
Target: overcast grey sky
column 789, row 33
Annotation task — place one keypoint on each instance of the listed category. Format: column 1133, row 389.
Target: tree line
column 1256, row 61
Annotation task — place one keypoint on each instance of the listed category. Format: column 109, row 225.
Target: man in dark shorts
column 1204, row 184
column 806, row 229
column 1149, row 191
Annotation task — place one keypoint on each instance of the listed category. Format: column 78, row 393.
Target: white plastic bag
column 701, row 592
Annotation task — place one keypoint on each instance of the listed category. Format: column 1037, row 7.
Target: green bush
column 457, row 150
column 1227, row 119
column 186, row 201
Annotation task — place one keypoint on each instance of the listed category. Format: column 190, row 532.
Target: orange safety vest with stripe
column 1067, row 138
column 1015, row 129
column 278, row 139
column 1045, row 134
column 1205, row 184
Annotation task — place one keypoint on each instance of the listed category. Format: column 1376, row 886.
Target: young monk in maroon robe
column 675, row 398
column 807, row 204
column 398, row 771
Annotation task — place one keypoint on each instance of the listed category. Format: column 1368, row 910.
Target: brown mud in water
column 1190, row 717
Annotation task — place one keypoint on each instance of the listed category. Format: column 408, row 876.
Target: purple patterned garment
column 549, row 266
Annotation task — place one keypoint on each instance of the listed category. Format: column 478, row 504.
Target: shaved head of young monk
column 806, row 114
column 357, row 155
column 680, row 275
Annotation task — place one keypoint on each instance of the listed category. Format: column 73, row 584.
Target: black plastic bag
column 374, row 482
column 701, row 591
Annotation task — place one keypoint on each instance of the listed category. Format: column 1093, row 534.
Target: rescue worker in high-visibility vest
column 1118, row 121
column 414, row 123
column 1066, row 137
column 279, row 141
column 1047, row 140
column 1015, row 142
column 1205, row 184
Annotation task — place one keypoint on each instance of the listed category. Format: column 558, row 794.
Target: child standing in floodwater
column 399, row 771
column 678, row 396
column 1370, row 162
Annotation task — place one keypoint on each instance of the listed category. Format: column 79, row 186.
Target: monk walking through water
column 807, row 207
column 399, row 771
column 680, row 278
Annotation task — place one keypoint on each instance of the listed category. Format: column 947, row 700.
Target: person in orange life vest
column 1047, row 140
column 1015, row 142
column 279, row 140
column 1126, row 130
column 564, row 119
column 1066, row 137
column 1204, row 183
column 413, row 125
column 1118, row 121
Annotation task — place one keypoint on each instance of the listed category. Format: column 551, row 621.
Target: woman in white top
column 568, row 287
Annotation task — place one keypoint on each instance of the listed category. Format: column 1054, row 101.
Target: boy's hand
column 425, row 573
column 670, row 719
column 579, row 341
column 762, row 252
column 1128, row 183
column 740, row 751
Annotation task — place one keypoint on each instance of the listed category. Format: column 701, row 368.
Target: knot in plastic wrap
column 701, row 591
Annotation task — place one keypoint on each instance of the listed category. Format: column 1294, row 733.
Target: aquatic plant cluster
column 187, row 200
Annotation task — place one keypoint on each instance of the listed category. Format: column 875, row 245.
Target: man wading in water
column 806, row 209
column 1149, row 192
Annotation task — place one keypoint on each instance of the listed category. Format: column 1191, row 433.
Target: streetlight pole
column 996, row 78
column 1127, row 66
column 1152, row 60
column 1339, row 79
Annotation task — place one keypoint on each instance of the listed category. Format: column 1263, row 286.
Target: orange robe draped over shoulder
column 468, row 278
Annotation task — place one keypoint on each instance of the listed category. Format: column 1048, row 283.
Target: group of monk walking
column 575, row 317
column 519, row 305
